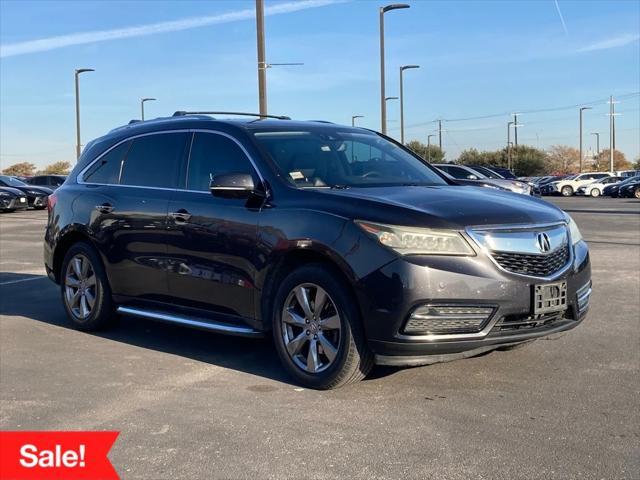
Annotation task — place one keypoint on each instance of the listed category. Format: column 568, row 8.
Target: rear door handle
column 181, row 216
column 104, row 208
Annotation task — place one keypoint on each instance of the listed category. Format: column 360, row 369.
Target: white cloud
column 52, row 43
column 613, row 42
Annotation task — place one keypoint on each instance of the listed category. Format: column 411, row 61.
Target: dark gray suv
column 344, row 245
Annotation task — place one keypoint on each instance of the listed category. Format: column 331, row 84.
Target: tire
column 342, row 355
column 567, row 191
column 595, row 192
column 77, row 288
column 636, row 192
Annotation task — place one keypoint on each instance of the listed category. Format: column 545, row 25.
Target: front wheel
column 85, row 290
column 636, row 192
column 317, row 329
column 567, row 191
column 595, row 192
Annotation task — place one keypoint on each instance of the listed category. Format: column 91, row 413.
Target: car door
column 129, row 211
column 212, row 240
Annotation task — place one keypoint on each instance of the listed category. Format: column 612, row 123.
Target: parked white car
column 570, row 185
column 595, row 189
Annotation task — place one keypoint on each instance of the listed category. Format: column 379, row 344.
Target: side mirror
column 234, row 185
column 471, row 176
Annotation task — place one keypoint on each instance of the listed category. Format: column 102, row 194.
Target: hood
column 33, row 188
column 12, row 190
column 452, row 206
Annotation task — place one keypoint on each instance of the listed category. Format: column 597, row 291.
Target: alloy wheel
column 80, row 287
column 595, row 192
column 311, row 328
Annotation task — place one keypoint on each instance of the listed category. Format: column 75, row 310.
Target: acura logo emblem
column 543, row 242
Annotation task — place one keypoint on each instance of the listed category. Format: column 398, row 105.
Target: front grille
column 535, row 265
column 527, row 322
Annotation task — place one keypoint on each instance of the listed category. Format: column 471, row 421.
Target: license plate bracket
column 549, row 297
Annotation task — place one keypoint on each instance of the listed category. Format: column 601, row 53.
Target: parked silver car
column 463, row 172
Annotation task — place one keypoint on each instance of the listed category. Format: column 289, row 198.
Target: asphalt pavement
column 194, row 405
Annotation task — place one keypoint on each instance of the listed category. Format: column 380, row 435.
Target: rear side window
column 213, row 154
column 107, row 169
column 457, row 172
column 153, row 160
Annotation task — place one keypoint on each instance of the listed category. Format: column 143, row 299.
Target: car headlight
column 576, row 236
column 34, row 193
column 5, row 194
column 418, row 241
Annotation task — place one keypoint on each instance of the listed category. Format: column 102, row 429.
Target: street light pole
column 440, row 134
column 402, row 69
column 582, row 109
column 597, row 134
column 142, row 100
column 353, row 119
column 78, row 72
column 515, row 129
column 262, row 64
column 383, row 106
column 509, row 144
column 429, row 147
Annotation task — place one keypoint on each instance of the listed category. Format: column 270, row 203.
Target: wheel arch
column 66, row 241
column 289, row 261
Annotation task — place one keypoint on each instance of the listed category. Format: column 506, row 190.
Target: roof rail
column 181, row 113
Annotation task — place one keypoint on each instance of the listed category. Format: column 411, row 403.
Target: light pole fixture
column 78, row 72
column 383, row 105
column 142, row 100
column 353, row 119
column 597, row 134
column 582, row 109
column 429, row 146
column 402, row 69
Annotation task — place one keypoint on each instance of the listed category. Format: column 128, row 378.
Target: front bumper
column 38, row 201
column 388, row 296
column 15, row 203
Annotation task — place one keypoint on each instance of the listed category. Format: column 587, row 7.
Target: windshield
column 11, row 182
column 329, row 157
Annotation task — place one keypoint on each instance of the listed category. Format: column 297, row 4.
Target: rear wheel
column 85, row 291
column 317, row 329
column 567, row 191
column 636, row 192
column 595, row 192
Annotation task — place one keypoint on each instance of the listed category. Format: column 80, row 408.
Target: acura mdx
column 341, row 243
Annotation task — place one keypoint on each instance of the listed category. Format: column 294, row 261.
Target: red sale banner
column 56, row 455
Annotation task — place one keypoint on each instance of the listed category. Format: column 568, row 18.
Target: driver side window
column 213, row 154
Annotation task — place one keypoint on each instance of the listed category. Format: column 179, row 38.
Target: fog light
column 439, row 320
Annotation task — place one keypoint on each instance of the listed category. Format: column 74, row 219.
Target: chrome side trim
column 80, row 181
column 191, row 322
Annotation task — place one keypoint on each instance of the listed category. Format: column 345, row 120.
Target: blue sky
column 477, row 58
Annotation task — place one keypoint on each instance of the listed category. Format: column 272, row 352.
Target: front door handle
column 104, row 208
column 181, row 216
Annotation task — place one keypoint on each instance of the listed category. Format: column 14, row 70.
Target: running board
column 211, row 326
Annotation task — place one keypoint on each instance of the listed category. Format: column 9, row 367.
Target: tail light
column 51, row 202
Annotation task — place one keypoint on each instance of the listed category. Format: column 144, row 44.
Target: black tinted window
column 456, row 172
column 107, row 169
column 153, row 160
column 211, row 155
